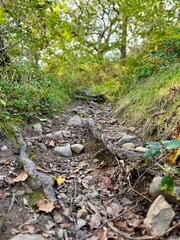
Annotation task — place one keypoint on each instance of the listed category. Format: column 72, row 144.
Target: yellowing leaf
column 59, row 179
column 21, row 178
column 2, row 15
column 45, row 205
column 173, row 157
column 56, row 9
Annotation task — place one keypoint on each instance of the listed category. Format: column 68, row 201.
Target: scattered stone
column 81, row 223
column 30, row 144
column 96, row 160
column 2, row 177
column 77, row 148
column 64, row 151
column 60, row 233
column 130, row 139
column 94, row 194
column 132, row 129
column 38, row 128
column 49, row 123
column 4, row 148
column 66, row 134
column 47, row 129
column 28, row 237
column 25, row 202
column 155, row 190
column 129, row 146
column 42, row 146
column 55, row 136
column 75, row 121
column 141, row 149
column 159, row 217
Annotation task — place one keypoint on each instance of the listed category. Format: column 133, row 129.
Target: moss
column 34, row 196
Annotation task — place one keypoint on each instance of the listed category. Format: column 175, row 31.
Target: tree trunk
column 123, row 48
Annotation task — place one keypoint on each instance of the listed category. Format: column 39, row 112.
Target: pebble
column 77, row 148
column 130, row 139
column 81, row 223
column 4, row 148
column 38, row 128
column 132, row 129
column 25, row 202
column 42, row 146
column 141, row 149
column 128, row 146
column 75, row 121
column 55, row 136
column 94, row 194
column 28, row 237
column 60, row 233
column 64, row 151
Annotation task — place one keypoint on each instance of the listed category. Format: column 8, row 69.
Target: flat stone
column 130, row 139
column 155, row 190
column 81, row 223
column 64, row 151
column 159, row 217
column 75, row 121
column 55, row 136
column 141, row 149
column 132, row 129
column 129, row 146
column 77, row 148
column 4, row 148
column 28, row 237
column 38, row 128
column 42, row 146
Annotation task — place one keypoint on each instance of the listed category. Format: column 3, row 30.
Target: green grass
column 154, row 105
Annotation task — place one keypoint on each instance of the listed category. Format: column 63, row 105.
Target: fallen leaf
column 75, row 170
column 29, row 228
column 95, row 221
column 105, row 183
column 124, row 226
column 60, row 180
column 113, row 210
column 3, row 195
column 82, row 213
column 15, row 231
column 45, row 205
column 21, row 178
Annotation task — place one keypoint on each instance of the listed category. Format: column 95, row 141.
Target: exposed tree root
column 30, row 168
column 120, row 152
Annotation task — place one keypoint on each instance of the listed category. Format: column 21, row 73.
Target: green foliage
column 167, row 183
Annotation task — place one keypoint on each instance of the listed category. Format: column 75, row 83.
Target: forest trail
column 96, row 172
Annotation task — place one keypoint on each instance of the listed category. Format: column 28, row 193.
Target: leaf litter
column 94, row 201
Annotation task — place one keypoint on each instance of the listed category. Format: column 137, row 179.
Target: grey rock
column 38, row 128
column 48, row 123
column 130, row 139
column 66, row 134
column 155, row 190
column 47, row 129
column 159, row 217
column 77, row 148
column 129, row 146
column 60, row 233
column 28, row 237
column 81, row 223
column 2, row 177
column 94, row 194
column 55, row 136
column 132, row 129
column 25, row 202
column 75, row 121
column 64, row 151
column 42, row 146
column 4, row 148
column 141, row 149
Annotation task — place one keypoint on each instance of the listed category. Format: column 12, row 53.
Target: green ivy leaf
column 171, row 144
column 167, row 183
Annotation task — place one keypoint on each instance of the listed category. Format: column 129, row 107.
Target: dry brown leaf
column 95, row 221
column 21, row 178
column 15, row 231
column 45, row 205
column 82, row 213
column 29, row 228
column 124, row 226
column 113, row 210
column 105, row 183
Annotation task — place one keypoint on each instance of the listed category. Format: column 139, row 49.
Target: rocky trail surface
column 82, row 176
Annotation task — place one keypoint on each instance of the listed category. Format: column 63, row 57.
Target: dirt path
column 94, row 188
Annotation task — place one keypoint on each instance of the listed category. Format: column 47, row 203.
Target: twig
column 11, row 45
column 12, row 202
